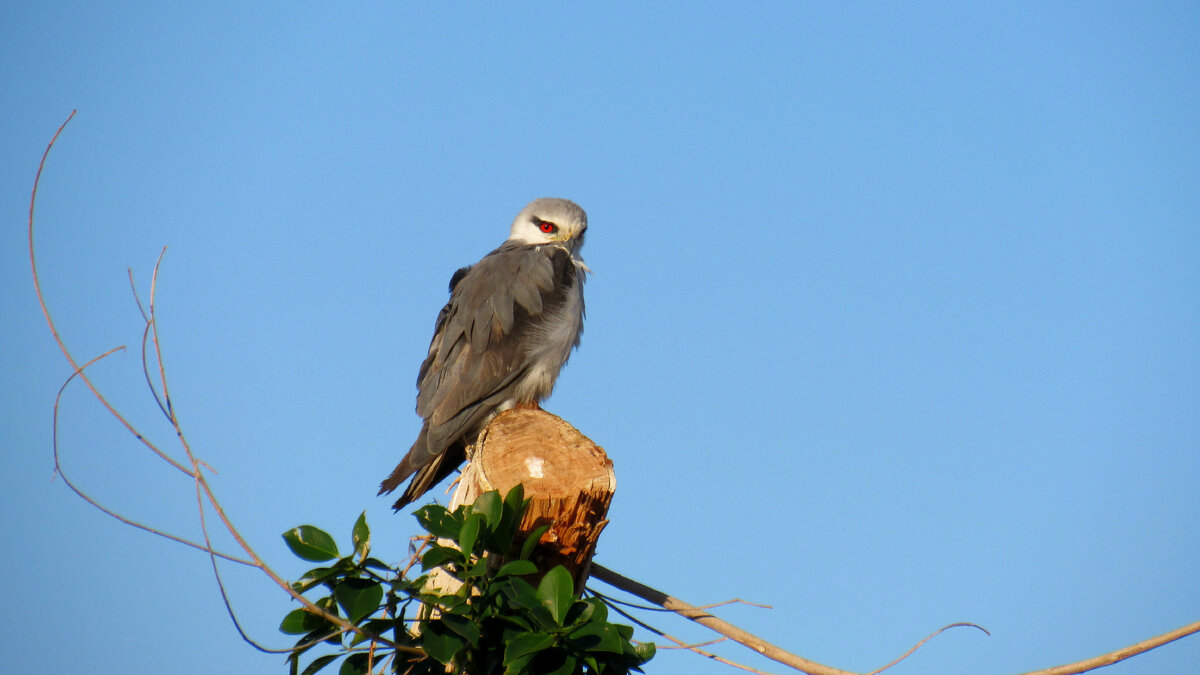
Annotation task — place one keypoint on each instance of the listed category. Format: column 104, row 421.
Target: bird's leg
column 454, row 483
column 528, row 405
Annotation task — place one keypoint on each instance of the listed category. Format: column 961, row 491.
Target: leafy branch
column 495, row 621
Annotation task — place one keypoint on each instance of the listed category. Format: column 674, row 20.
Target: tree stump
column 568, row 480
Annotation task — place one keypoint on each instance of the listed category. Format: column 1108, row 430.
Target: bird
column 510, row 325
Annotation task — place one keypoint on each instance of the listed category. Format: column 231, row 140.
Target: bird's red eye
column 548, row 228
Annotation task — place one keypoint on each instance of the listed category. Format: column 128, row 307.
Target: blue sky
column 893, row 322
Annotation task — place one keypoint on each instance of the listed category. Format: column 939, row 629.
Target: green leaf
column 645, row 651
column 479, row 568
column 302, row 646
column 490, row 507
column 359, row 598
column 317, row 627
column 515, row 499
column 463, row 626
column 454, row 603
column 567, row 667
column 317, row 636
column 440, row 643
column 519, row 666
column 557, row 593
column 522, row 594
column 532, row 540
column 437, row 555
column 598, row 637
column 355, row 664
column 516, row 568
column 310, row 543
column 469, row 533
column 361, row 535
column 313, row 577
column 599, row 611
column 581, row 612
column 300, row 621
column 438, row 521
column 524, row 607
column 504, row 529
column 526, row 644
column 319, row 663
column 378, row 627
column 328, row 604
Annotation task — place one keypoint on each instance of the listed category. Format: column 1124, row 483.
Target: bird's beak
column 574, row 243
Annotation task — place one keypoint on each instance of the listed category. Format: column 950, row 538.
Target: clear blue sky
column 895, row 318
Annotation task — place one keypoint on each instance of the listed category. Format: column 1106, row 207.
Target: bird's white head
column 550, row 221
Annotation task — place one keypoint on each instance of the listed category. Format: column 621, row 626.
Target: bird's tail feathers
column 412, row 461
column 426, row 468
column 425, row 478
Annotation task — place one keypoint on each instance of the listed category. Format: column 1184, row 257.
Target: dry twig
column 733, row 632
column 204, row 491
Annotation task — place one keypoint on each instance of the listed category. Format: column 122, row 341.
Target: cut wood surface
column 568, row 480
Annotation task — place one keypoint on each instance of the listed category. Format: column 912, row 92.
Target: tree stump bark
column 568, row 480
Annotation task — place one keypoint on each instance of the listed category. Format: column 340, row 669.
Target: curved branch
column 37, row 287
column 58, row 469
column 146, row 339
column 927, row 638
column 204, row 492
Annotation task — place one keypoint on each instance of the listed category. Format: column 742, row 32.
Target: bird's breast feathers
column 550, row 341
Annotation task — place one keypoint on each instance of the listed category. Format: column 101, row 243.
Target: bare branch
column 705, row 619
column 694, row 645
column 136, row 299
column 648, row 608
column 145, row 341
column 735, row 601
column 162, row 373
column 58, row 470
column 1120, row 654
column 415, row 557
column 217, row 572
column 682, row 645
column 927, row 638
column 37, row 287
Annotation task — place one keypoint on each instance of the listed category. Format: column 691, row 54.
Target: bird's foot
column 454, row 483
column 529, row 405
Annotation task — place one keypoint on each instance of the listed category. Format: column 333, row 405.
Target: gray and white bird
column 510, row 325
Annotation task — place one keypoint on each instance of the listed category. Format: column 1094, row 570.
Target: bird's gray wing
column 478, row 353
column 480, row 348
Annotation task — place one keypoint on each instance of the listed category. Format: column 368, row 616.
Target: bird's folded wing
column 479, row 347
